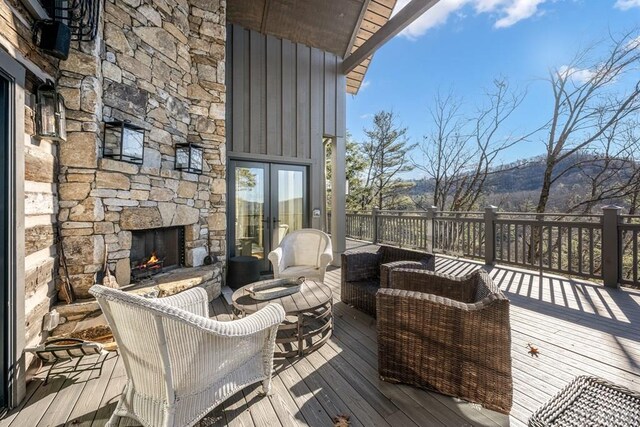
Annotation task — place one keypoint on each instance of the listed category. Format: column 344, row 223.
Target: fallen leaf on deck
column 341, row 421
column 533, row 350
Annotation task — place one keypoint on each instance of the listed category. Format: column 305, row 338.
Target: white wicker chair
column 180, row 364
column 305, row 252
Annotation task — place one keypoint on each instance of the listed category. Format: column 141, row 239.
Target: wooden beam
column 363, row 11
column 35, row 9
column 265, row 12
column 399, row 22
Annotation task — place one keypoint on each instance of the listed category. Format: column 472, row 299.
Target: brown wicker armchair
column 364, row 272
column 448, row 334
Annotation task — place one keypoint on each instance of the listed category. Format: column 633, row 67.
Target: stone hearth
column 84, row 319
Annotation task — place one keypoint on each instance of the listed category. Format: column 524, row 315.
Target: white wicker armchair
column 305, row 252
column 180, row 364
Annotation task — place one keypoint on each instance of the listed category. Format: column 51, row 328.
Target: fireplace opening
column 155, row 251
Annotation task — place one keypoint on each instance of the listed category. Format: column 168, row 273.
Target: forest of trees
column 590, row 142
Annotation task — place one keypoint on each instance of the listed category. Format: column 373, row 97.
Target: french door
column 266, row 201
column 5, row 111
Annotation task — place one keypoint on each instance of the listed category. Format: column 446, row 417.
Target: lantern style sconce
column 189, row 157
column 123, row 141
column 50, row 113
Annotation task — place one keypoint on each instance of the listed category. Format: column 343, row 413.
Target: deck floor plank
column 579, row 327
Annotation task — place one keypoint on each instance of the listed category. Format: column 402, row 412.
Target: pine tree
column 386, row 152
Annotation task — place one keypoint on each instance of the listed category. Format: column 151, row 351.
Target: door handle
column 275, row 221
column 266, row 220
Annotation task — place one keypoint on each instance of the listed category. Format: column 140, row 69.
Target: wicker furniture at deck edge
column 590, row 401
column 448, row 334
column 364, row 272
column 180, row 364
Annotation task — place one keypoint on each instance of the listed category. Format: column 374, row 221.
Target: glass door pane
column 289, row 193
column 250, row 211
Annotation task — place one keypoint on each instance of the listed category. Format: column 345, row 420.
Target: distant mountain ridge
column 518, row 184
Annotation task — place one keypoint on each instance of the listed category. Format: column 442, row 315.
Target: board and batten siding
column 284, row 96
column 283, row 99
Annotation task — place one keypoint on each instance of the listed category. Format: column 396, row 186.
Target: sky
column 463, row 45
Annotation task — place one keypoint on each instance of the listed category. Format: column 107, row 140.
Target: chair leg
column 266, row 387
column 114, row 421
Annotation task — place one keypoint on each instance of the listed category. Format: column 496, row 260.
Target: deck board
column 579, row 327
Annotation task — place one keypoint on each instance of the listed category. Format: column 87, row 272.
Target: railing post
column 490, row 234
column 611, row 246
column 431, row 216
column 374, row 219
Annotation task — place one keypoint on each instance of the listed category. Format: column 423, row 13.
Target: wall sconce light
column 189, row 157
column 123, row 141
column 50, row 113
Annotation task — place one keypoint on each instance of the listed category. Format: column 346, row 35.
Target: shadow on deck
column 579, row 327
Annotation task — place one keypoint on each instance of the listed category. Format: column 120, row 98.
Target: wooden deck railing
column 603, row 246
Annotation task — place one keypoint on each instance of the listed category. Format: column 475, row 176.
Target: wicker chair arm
column 326, row 257
column 456, row 288
column 360, row 265
column 385, row 269
column 269, row 317
column 276, row 257
column 193, row 300
column 397, row 296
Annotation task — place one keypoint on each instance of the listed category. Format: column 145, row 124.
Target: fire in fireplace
column 155, row 251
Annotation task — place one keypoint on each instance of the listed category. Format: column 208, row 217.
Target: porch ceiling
column 336, row 26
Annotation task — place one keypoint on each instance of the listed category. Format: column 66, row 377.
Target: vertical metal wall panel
column 238, row 88
column 257, row 94
column 284, row 96
column 341, row 104
column 289, row 102
column 274, row 96
column 330, row 77
column 303, row 74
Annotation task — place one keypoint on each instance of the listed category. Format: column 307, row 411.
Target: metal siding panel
column 289, row 103
column 341, row 104
column 237, row 89
column 330, row 72
column 316, row 100
column 257, row 116
column 303, row 100
column 274, row 96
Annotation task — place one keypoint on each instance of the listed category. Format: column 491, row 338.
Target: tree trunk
column 546, row 186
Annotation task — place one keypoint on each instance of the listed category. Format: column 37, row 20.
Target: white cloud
column 626, row 4
column 366, row 116
column 365, row 84
column 506, row 12
column 517, row 11
column 578, row 75
column 435, row 16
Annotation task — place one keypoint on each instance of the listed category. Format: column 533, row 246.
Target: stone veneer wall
column 159, row 64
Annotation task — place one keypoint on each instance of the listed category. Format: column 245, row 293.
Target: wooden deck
column 579, row 327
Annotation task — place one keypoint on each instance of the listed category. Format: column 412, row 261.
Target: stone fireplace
column 156, row 251
column 159, row 65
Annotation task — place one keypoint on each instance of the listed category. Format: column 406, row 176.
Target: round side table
column 309, row 320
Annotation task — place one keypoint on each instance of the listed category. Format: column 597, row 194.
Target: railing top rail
column 543, row 222
column 459, row 219
column 461, row 212
column 558, row 214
